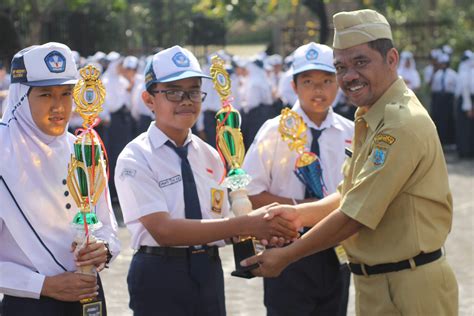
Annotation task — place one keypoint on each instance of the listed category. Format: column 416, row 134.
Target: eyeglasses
column 178, row 95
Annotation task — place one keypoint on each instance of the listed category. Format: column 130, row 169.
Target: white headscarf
column 409, row 74
column 33, row 170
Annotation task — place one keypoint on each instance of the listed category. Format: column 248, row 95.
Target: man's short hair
column 383, row 46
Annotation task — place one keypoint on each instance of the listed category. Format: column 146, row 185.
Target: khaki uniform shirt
column 396, row 183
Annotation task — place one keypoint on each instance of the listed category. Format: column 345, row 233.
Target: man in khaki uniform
column 393, row 211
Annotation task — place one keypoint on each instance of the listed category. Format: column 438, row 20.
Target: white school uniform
column 36, row 207
column 148, row 180
column 270, row 162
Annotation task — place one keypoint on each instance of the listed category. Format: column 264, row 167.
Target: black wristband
column 109, row 254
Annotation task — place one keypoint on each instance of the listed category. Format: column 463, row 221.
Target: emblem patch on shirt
column 169, row 181
column 384, row 138
column 126, row 172
column 217, row 199
column 379, row 156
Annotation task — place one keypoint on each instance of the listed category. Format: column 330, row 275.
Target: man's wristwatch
column 109, row 255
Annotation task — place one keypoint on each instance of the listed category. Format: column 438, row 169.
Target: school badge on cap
column 184, row 65
column 55, row 61
column 49, row 64
column 312, row 54
column 180, row 60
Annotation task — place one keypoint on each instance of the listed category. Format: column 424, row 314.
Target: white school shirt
column 466, row 84
column 256, row 89
column 285, row 90
column 138, row 105
column 270, row 162
column 450, row 80
column 148, row 180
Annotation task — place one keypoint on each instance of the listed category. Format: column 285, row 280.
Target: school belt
column 419, row 260
column 212, row 251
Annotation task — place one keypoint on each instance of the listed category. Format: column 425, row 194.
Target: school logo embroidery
column 379, row 157
column 217, row 199
column 126, row 172
column 55, row 61
column 169, row 181
column 312, row 54
column 180, row 60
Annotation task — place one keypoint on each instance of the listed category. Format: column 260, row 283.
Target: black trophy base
column 243, row 250
column 93, row 308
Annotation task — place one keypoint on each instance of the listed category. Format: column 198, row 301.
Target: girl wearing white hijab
column 37, row 261
column 407, row 70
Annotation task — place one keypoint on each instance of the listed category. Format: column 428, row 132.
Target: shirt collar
column 330, row 120
column 158, row 138
column 375, row 113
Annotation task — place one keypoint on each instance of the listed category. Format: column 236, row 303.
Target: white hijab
column 33, row 168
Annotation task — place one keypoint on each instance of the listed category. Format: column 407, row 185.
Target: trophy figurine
column 230, row 144
column 87, row 175
column 307, row 167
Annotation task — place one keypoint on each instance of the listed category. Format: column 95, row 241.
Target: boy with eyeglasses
column 318, row 284
column 168, row 184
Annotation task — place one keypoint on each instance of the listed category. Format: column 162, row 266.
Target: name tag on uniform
column 341, row 254
column 169, row 181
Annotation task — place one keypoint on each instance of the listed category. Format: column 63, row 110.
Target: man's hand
column 70, row 287
column 288, row 212
column 93, row 254
column 271, row 262
column 264, row 226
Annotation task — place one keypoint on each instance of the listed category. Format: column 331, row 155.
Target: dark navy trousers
column 45, row 306
column 315, row 285
column 162, row 285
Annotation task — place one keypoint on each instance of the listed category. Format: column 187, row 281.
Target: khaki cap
column 359, row 27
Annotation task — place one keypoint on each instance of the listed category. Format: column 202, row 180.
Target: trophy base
column 93, row 308
column 243, row 250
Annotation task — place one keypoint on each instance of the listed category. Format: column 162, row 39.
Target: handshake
column 272, row 225
column 275, row 224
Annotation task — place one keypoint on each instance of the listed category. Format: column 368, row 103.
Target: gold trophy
column 292, row 129
column 87, row 175
column 231, row 144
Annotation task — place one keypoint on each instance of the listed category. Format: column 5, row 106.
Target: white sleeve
column 416, row 80
column 200, row 122
column 465, row 81
column 138, row 191
column 17, row 280
column 108, row 231
column 259, row 159
column 253, row 95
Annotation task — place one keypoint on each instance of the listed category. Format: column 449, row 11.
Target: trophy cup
column 87, row 175
column 230, row 144
column 307, row 167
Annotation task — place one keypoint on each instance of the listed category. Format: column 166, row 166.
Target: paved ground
column 244, row 297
